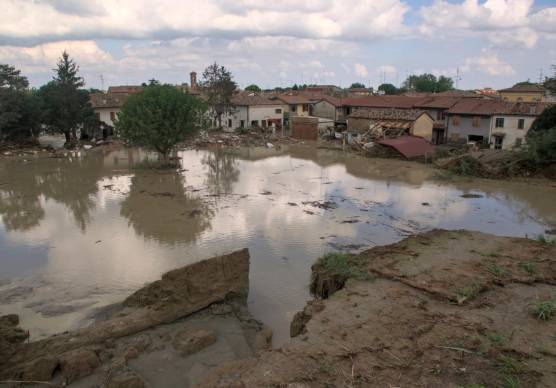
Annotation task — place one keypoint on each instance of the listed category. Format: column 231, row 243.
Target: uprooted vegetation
column 442, row 309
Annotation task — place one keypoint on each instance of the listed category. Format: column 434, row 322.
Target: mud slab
column 442, row 309
column 171, row 332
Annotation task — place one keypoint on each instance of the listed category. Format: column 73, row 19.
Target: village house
column 499, row 124
column 523, row 93
column 297, row 104
column 390, row 122
column 359, row 92
column 107, row 106
column 257, row 111
column 329, row 107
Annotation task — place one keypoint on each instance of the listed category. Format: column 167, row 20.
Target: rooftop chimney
column 193, row 77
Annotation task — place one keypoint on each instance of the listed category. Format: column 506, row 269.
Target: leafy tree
column 544, row 122
column 525, row 83
column 550, row 82
column 295, row 87
column 388, row 89
column 219, row 87
column 66, row 104
column 20, row 111
column 357, row 85
column 428, row 83
column 159, row 118
column 253, row 88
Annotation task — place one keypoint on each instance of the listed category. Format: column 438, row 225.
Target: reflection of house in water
column 128, row 157
column 158, row 208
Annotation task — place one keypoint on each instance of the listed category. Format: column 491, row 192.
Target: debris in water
column 471, row 196
column 292, row 203
column 266, row 192
column 322, row 205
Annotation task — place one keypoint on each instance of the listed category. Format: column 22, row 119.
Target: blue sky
column 493, row 43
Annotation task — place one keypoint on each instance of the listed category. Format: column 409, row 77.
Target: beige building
column 523, row 93
column 297, row 105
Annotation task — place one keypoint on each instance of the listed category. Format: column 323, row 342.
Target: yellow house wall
column 525, row 97
column 422, row 127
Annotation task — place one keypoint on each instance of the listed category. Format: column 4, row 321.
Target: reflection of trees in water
column 159, row 208
column 222, row 173
column 72, row 182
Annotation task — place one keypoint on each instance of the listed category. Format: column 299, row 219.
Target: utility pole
column 541, row 76
column 102, row 82
column 458, row 78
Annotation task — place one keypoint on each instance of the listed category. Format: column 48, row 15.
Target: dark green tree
column 219, row 87
column 428, row 83
column 388, row 89
column 544, row 122
column 357, row 85
column 66, row 105
column 253, row 88
column 20, row 108
column 550, row 82
column 159, row 118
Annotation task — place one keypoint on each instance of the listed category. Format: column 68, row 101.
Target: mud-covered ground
column 441, row 309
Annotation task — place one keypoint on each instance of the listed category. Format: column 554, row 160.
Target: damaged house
column 389, row 122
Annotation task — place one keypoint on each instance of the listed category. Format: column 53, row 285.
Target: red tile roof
column 125, row 89
column 294, row 99
column 484, row 107
column 403, row 102
column 409, row 146
column 108, row 100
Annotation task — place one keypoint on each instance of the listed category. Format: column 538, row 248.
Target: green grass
column 542, row 238
column 495, row 270
column 543, row 309
column 468, row 292
column 528, row 267
column 489, row 254
column 343, row 265
column 510, row 381
column 496, row 337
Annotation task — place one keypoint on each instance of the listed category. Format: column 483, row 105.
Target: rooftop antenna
column 541, row 76
column 458, row 78
column 102, row 82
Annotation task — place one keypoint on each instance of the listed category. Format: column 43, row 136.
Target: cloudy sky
column 277, row 43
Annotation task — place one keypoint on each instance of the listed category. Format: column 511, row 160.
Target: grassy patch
column 344, row 265
column 543, row 239
column 509, row 370
column 468, row 292
column 495, row 270
column 543, row 309
column 528, row 267
column 489, row 254
column 496, row 338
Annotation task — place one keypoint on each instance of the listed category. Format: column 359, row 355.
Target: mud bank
column 169, row 333
column 441, row 309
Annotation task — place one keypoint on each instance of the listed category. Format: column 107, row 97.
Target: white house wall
column 103, row 114
column 510, row 130
column 265, row 112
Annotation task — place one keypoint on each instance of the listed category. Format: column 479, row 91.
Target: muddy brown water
column 84, row 231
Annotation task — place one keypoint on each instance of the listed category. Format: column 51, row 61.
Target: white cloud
column 507, row 23
column 24, row 20
column 361, row 70
column 488, row 63
column 387, row 69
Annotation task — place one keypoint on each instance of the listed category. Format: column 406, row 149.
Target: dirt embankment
column 442, row 309
column 169, row 333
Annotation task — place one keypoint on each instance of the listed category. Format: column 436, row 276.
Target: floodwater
column 82, row 232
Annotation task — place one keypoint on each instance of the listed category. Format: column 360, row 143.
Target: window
column 518, row 142
column 229, row 123
column 476, row 121
column 455, row 120
column 278, row 111
column 499, row 122
column 305, row 107
column 520, row 123
column 255, row 123
column 263, row 123
column 112, row 116
column 242, row 123
column 293, row 108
